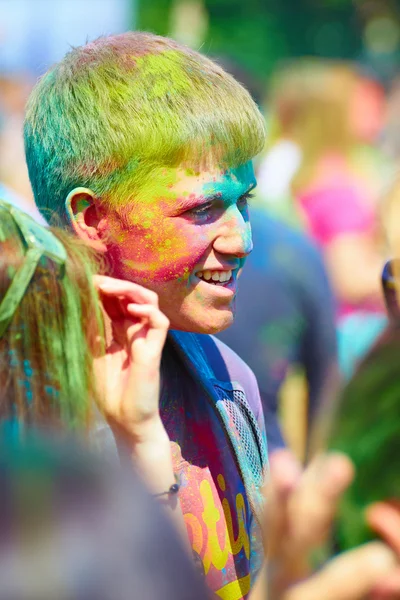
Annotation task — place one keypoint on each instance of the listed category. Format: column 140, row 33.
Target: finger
column 114, row 307
column 384, row 518
column 389, row 588
column 126, row 331
column 275, row 518
column 284, row 474
column 142, row 321
column 351, row 576
column 315, row 500
column 285, row 469
column 156, row 319
column 330, row 474
column 125, row 289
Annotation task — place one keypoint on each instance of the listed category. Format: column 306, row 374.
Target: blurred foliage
column 153, row 15
column 259, row 33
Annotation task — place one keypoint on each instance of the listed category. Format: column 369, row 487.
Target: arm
column 355, row 267
column 129, row 384
column 318, row 345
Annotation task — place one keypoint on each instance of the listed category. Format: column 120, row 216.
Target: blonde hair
column 310, row 103
column 113, row 110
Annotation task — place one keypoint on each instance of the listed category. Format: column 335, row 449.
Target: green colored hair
column 115, row 109
column 46, row 353
column 366, row 428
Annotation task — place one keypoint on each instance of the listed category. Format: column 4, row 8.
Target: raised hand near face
column 129, row 372
column 129, row 384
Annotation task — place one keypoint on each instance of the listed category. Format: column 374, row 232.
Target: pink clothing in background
column 332, row 211
column 337, row 209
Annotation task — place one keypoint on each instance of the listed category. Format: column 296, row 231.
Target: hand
column 384, row 517
column 129, row 372
column 300, row 509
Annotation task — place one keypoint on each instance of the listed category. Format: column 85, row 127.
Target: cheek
column 164, row 253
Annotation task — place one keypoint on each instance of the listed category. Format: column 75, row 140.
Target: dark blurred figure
column 70, row 529
column 284, row 316
column 390, row 139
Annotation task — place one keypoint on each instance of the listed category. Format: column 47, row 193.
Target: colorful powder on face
column 234, row 183
column 163, row 242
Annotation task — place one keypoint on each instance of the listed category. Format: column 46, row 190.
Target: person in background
column 14, row 181
column 331, row 116
column 389, row 141
column 364, row 425
column 48, row 304
column 285, row 317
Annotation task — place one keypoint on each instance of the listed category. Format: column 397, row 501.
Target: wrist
column 154, row 462
column 149, row 434
column 152, row 457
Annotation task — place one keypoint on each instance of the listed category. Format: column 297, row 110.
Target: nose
column 234, row 234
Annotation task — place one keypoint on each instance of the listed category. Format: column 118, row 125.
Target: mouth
column 219, row 278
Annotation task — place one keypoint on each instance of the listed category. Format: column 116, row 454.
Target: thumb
column 350, row 576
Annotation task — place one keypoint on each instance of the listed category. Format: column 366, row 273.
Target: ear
column 84, row 217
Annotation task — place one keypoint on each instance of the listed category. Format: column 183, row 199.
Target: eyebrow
column 187, row 202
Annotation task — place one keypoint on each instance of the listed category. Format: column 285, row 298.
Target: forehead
column 170, row 185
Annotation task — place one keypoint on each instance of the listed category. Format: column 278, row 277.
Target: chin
column 210, row 324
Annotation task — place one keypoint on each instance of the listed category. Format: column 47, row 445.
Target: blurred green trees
column 259, row 33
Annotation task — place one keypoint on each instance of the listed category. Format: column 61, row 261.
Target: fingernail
column 285, row 470
column 381, row 557
column 106, row 287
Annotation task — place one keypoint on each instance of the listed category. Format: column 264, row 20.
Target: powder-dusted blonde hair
column 113, row 110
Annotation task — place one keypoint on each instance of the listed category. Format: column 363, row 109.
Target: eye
column 243, row 201
column 202, row 210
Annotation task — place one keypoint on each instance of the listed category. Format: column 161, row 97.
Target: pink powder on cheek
column 165, row 253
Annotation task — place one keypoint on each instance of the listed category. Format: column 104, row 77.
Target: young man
column 144, row 147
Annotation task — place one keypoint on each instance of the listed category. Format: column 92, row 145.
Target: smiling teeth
column 215, row 276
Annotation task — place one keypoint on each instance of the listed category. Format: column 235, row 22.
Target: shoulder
column 229, row 367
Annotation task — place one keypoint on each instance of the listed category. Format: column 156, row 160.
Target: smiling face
column 186, row 238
